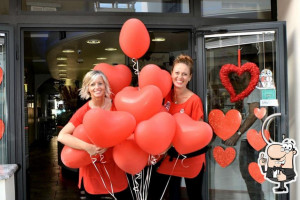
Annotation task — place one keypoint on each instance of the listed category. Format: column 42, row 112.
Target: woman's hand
column 93, row 149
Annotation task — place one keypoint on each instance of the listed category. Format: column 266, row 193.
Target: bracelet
column 239, row 133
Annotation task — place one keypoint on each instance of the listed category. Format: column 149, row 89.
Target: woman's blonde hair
column 88, row 79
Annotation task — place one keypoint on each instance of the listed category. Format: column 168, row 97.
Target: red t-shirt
column 92, row 181
column 189, row 167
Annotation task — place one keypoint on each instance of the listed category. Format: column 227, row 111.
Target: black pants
column 248, row 155
column 158, row 183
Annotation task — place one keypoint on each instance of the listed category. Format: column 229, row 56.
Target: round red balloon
column 153, row 75
column 108, row 128
column 75, row 158
column 141, row 103
column 130, row 157
column 190, row 135
column 134, row 38
column 119, row 76
column 156, row 134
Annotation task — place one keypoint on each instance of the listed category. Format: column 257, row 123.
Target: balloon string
column 184, row 157
column 94, row 160
column 169, row 178
column 135, row 66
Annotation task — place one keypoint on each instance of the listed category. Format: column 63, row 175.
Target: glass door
column 243, row 74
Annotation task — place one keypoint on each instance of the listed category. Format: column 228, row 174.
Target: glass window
column 144, row 6
column 252, row 9
column 258, row 48
column 3, row 105
column 4, row 8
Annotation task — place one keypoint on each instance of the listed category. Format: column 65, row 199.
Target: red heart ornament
column 225, row 126
column 224, row 157
column 153, row 75
column 255, row 172
column 156, row 134
column 2, row 127
column 75, row 158
column 256, row 140
column 141, row 103
column 108, row 128
column 119, row 76
column 129, row 156
column 190, row 135
column 230, row 68
column 260, row 112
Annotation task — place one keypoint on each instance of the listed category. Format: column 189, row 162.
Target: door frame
column 281, row 75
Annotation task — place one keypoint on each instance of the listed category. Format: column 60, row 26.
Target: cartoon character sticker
column 277, row 163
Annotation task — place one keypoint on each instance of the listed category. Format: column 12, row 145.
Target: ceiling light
column 62, row 75
column 101, row 58
column 93, row 41
column 68, row 51
column 110, row 49
column 159, row 39
column 62, row 71
column 61, row 64
column 61, row 58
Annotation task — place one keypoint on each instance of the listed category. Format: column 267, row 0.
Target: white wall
column 289, row 11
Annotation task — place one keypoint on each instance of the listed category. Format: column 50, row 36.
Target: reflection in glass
column 252, row 9
column 145, row 6
column 234, row 182
column 3, row 105
column 4, row 8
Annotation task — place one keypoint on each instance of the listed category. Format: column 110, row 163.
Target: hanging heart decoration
column 2, row 126
column 255, row 172
column 1, row 75
column 256, row 140
column 225, row 126
column 260, row 112
column 231, row 68
column 224, row 157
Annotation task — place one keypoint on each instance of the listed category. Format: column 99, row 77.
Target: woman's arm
column 65, row 136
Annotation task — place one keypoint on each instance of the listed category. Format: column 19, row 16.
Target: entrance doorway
column 54, row 65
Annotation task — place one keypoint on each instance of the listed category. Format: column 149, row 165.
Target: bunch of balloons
column 140, row 126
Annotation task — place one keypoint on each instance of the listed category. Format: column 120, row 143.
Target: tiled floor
column 46, row 180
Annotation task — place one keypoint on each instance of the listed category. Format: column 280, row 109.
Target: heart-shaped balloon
column 224, row 157
column 134, row 38
column 2, row 127
column 225, row 126
column 260, row 112
column 75, row 158
column 156, row 134
column 119, row 76
column 230, row 68
column 255, row 172
column 1, row 75
column 141, row 103
column 108, row 128
column 190, row 135
column 153, row 75
column 130, row 157
column 256, row 140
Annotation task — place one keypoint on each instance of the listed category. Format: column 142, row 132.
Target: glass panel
column 260, row 49
column 4, row 8
column 143, row 6
column 253, row 9
column 3, row 105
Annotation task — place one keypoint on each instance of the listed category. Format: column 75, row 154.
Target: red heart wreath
column 231, row 68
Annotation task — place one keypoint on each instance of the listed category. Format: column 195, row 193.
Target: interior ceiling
column 41, row 50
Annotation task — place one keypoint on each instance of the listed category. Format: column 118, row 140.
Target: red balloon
column 130, row 157
column 153, row 75
column 108, row 128
column 119, row 76
column 75, row 158
column 190, row 135
column 134, row 38
column 142, row 104
column 156, row 134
